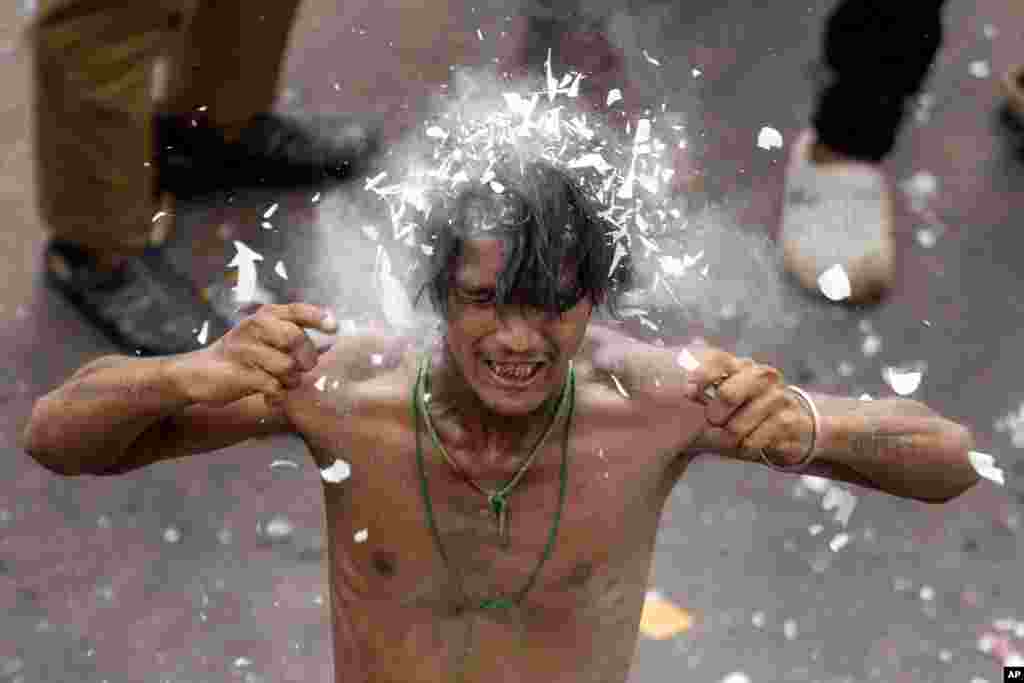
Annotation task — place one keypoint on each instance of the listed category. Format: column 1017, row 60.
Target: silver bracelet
column 808, row 403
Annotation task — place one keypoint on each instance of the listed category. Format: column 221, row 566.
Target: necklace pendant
column 500, row 508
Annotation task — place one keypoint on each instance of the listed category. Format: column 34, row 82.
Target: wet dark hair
column 558, row 249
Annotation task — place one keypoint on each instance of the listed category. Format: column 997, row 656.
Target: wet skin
column 399, row 613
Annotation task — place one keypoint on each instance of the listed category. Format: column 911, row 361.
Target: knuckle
column 288, row 365
column 294, row 337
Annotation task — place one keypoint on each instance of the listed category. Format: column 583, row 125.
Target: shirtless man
column 492, row 500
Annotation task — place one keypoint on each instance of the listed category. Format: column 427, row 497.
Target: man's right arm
column 119, row 413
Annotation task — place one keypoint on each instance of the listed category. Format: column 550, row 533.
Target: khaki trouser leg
column 230, row 60
column 93, row 66
column 94, row 62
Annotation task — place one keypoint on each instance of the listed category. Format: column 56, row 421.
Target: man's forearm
column 84, row 426
column 898, row 445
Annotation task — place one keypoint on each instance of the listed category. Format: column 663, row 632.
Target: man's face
column 515, row 361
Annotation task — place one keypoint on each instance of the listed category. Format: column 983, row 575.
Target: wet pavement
column 211, row 568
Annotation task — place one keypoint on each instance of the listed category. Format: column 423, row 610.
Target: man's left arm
column 896, row 445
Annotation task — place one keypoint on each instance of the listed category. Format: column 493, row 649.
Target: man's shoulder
column 365, row 371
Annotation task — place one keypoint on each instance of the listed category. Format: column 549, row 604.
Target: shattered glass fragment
column 872, row 345
column 245, row 261
column 279, row 528
column 614, row 95
column 394, row 300
column 736, row 677
column 650, row 59
column 593, row 160
column 984, row 465
column 204, row 333
column 834, row 283
column 336, row 473
column 905, row 379
column 361, row 535
column 979, row 69
column 280, row 270
column 670, row 265
column 1013, row 424
column 789, row 629
column 842, row 500
column 839, row 541
column 769, row 138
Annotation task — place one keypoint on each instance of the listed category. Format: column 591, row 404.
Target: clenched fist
column 750, row 408
column 267, row 353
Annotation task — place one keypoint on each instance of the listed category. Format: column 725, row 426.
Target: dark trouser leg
column 878, row 53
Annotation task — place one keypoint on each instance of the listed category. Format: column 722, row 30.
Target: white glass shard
column 904, row 379
column 769, row 138
column 842, row 500
column 336, row 473
column 204, row 333
column 985, row 465
column 736, row 677
column 979, row 69
column 834, row 283
column 839, row 541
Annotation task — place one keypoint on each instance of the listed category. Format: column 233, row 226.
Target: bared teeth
column 518, row 371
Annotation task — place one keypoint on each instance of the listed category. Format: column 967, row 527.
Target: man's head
column 517, row 266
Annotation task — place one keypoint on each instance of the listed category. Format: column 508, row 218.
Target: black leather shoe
column 145, row 306
column 273, row 151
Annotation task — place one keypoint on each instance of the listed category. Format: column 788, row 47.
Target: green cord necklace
column 496, row 499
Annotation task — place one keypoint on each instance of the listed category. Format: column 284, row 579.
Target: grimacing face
column 516, row 360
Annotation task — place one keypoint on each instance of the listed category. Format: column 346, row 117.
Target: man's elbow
column 962, row 475
column 38, row 445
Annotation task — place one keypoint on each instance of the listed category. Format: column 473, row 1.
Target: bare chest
column 414, row 529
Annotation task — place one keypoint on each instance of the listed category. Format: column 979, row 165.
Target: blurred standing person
column 111, row 156
column 838, row 204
